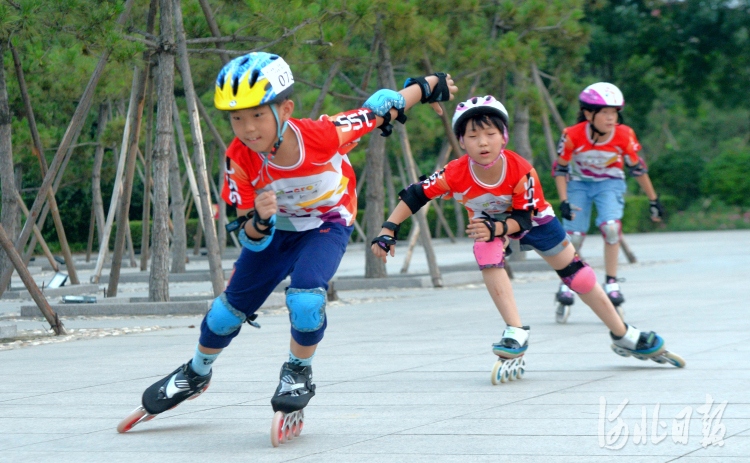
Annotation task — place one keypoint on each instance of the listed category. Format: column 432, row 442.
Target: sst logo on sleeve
column 354, row 120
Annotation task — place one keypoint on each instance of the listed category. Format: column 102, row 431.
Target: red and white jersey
column 320, row 187
column 518, row 188
column 594, row 162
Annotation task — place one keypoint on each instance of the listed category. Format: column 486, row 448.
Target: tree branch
column 148, row 43
column 143, row 33
column 228, row 38
column 353, row 86
column 330, row 92
column 14, row 4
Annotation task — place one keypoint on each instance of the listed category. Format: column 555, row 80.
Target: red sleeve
column 631, row 148
column 351, row 125
column 527, row 194
column 436, row 185
column 565, row 146
column 238, row 190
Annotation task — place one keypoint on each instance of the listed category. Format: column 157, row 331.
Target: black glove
column 656, row 209
column 385, row 242
column 565, row 210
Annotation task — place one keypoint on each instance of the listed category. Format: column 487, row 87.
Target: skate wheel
column 674, row 359
column 505, row 372
column 298, row 429
column 496, row 372
column 513, row 369
column 620, row 351
column 135, row 417
column 521, row 368
column 562, row 313
column 277, row 429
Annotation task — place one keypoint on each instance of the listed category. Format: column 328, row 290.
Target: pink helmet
column 601, row 95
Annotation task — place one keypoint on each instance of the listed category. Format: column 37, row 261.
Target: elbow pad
column 560, row 170
column 414, row 197
column 523, row 218
column 638, row 169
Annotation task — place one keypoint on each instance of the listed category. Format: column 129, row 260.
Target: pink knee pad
column 583, row 280
column 578, row 276
column 490, row 254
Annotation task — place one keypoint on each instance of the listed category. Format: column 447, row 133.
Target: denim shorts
column 608, row 195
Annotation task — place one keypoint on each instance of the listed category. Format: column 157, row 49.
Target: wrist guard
column 269, row 223
column 441, row 92
column 385, row 242
column 565, row 210
column 656, row 209
column 392, row 227
column 381, row 103
column 240, row 222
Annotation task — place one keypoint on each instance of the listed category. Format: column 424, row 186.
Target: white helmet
column 601, row 95
column 479, row 105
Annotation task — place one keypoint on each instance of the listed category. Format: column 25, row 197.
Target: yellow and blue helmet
column 253, row 80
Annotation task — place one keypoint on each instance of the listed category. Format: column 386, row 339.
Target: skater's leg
column 498, row 284
column 610, row 204
column 314, row 267
column 591, row 294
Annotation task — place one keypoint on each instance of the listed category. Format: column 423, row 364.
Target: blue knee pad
column 307, row 308
column 223, row 319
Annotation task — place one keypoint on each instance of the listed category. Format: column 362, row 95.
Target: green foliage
column 726, row 175
column 683, row 66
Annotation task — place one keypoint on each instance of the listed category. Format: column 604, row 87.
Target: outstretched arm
column 399, row 214
column 411, row 95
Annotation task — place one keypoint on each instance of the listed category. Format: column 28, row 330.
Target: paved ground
column 404, row 375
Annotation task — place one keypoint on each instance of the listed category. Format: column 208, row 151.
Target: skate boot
column 612, row 288
column 564, row 299
column 165, row 394
column 511, row 365
column 645, row 346
column 291, row 397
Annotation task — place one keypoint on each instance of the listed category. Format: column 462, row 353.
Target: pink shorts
column 490, row 254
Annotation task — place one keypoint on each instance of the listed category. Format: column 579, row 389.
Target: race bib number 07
column 279, row 75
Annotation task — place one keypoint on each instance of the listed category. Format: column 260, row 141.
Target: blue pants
column 609, row 196
column 310, row 257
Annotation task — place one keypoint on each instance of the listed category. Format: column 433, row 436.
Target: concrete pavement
column 404, row 375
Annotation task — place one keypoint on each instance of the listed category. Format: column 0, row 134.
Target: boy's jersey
column 320, row 187
column 518, row 188
column 591, row 162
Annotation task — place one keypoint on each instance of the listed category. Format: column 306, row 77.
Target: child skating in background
column 592, row 156
column 295, row 193
column 504, row 198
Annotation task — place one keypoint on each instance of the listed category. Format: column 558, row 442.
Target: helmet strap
column 280, row 129
column 595, row 133
column 487, row 166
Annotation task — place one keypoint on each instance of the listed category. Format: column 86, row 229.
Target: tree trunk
column 179, row 237
column 31, row 286
column 389, row 186
column 546, row 97
column 123, row 223
column 45, row 210
column 146, row 218
column 158, row 285
column 38, row 234
column 9, row 214
column 96, row 176
column 209, row 230
column 222, row 172
column 375, row 195
column 214, row 28
column 75, row 123
column 117, row 188
column 92, row 230
column 37, row 146
column 318, row 105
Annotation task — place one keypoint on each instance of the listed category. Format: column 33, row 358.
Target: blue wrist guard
column 381, row 103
